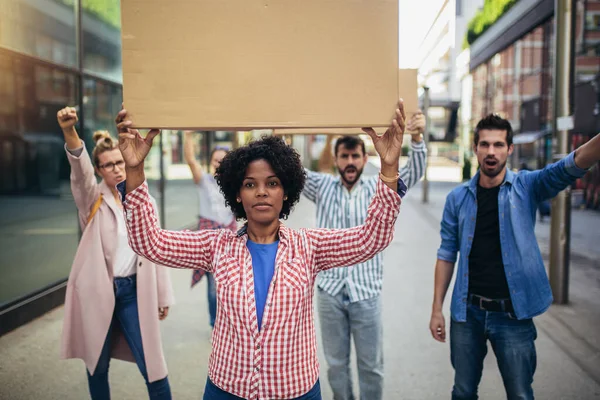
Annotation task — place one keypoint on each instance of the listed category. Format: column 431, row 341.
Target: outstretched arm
column 340, row 247
column 179, row 249
column 67, row 118
column 589, row 153
column 414, row 169
column 548, row 182
column 84, row 185
column 190, row 157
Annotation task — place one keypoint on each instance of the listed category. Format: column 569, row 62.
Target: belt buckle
column 481, row 302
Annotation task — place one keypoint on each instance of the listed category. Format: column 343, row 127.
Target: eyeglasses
column 110, row 166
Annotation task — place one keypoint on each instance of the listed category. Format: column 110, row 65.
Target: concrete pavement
column 416, row 366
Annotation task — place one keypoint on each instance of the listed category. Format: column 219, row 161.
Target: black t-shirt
column 486, row 270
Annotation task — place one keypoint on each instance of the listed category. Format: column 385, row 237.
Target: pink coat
column 90, row 299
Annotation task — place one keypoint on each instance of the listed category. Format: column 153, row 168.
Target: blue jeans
column 126, row 317
column 340, row 322
column 212, row 298
column 213, row 392
column 513, row 343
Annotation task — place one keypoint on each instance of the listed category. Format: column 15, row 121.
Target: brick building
column 511, row 73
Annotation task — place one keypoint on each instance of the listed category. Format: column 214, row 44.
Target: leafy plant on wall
column 108, row 11
column 490, row 13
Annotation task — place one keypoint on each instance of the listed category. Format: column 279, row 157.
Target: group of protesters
column 261, row 274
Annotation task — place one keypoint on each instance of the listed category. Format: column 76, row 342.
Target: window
column 42, row 29
column 101, row 103
column 39, row 215
column 38, row 76
column 592, row 20
column 102, row 38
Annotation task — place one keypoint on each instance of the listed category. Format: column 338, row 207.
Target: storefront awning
column 529, row 137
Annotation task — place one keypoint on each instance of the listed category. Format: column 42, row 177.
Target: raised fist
column 67, row 118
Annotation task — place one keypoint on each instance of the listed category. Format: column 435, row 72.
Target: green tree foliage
column 492, row 10
column 108, row 11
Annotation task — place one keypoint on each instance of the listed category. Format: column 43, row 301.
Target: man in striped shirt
column 349, row 298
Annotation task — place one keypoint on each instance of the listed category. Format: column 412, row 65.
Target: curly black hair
column 284, row 160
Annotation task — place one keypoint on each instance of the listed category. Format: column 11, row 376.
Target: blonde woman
column 114, row 298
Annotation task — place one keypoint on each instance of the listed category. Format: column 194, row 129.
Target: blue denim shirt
column 518, row 199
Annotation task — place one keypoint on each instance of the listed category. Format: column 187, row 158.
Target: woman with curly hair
column 264, row 341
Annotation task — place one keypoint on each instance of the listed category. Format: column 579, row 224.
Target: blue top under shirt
column 263, row 267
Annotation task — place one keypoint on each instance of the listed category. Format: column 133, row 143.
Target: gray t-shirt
column 212, row 202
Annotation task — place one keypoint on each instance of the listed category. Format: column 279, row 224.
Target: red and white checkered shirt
column 279, row 361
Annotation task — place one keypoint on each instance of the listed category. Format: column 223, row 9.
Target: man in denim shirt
column 501, row 282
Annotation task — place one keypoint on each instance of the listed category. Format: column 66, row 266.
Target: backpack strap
column 95, row 208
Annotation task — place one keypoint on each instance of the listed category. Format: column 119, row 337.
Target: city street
column 416, row 366
column 463, row 73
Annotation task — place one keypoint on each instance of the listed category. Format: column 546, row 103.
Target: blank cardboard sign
column 407, row 91
column 249, row 64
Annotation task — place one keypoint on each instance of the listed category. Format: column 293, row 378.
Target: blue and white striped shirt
column 339, row 208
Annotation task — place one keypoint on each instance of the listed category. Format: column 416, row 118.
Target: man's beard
column 493, row 172
column 357, row 174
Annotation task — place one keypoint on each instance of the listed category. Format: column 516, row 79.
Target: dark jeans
column 513, row 343
column 213, row 392
column 212, row 298
column 126, row 316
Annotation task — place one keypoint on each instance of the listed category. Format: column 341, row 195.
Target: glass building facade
column 57, row 53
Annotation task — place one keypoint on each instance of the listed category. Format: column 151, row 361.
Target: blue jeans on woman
column 212, row 298
column 513, row 343
column 126, row 316
column 213, row 392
